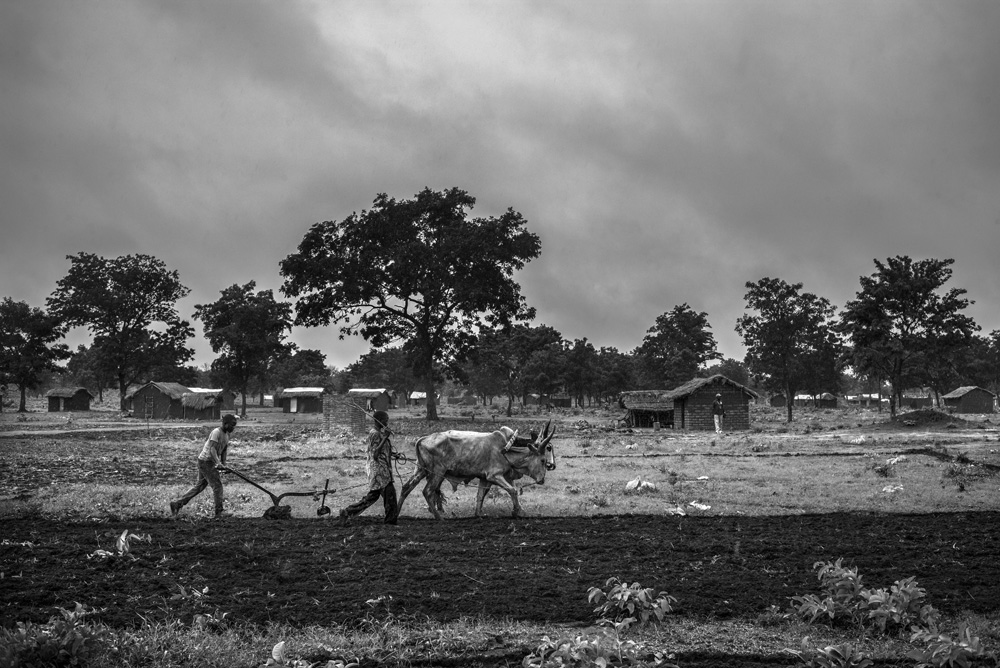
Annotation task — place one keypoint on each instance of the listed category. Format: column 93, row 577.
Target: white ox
column 494, row 458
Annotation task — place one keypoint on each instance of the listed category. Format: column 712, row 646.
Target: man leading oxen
column 494, row 458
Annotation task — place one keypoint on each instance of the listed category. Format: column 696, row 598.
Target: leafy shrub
column 844, row 599
column 67, row 640
column 943, row 650
column 900, row 606
column 626, row 604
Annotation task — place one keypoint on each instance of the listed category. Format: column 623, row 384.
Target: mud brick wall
column 339, row 412
column 698, row 409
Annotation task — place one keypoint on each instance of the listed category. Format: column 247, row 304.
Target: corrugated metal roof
column 367, row 393
column 302, row 392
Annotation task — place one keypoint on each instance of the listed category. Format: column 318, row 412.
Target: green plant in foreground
column 67, row 640
column 943, row 650
column 845, row 599
column 833, row 656
column 626, row 604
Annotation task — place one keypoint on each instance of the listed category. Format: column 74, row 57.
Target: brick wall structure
column 693, row 404
column 342, row 412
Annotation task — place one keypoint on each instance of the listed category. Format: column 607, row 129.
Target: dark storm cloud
column 665, row 152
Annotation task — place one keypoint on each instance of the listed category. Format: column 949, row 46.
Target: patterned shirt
column 377, row 466
column 218, row 440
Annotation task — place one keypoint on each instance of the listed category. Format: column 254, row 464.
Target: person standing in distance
column 211, row 462
column 379, row 473
column 718, row 412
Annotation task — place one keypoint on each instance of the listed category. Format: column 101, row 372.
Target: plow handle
column 274, row 499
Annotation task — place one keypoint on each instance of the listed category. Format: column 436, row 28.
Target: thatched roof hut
column 69, row 399
column 206, row 404
column 157, row 401
column 376, row 399
column 970, row 399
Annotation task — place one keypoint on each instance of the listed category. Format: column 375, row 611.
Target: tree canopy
column 510, row 358
column 903, row 328
column 128, row 304
column 418, row 271
column 247, row 330
column 790, row 343
column 28, row 345
column 676, row 347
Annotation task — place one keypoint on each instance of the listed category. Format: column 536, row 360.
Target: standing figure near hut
column 718, row 412
column 379, row 473
column 211, row 462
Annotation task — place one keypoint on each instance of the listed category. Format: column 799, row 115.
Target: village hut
column 69, row 399
column 157, row 401
column 206, row 404
column 560, row 401
column 693, row 404
column 647, row 407
column 778, row 401
column 534, row 399
column 372, row 399
column 916, row 398
column 970, row 399
column 300, row 400
column 420, row 398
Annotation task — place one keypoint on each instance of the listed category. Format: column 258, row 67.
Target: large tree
column 581, row 373
column 676, row 347
column 247, row 330
column 418, row 271
column 615, row 374
column 28, row 345
column 790, row 340
column 504, row 356
column 389, row 368
column 904, row 327
column 87, row 367
column 128, row 304
column 304, row 367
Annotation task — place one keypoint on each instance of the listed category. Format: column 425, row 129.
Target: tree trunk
column 431, row 404
column 243, row 402
column 121, row 392
column 24, row 402
column 789, row 400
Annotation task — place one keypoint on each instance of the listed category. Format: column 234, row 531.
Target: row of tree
column 432, row 290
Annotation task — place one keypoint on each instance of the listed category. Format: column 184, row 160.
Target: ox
column 494, row 458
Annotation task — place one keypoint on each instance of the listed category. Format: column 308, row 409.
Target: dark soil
column 310, row 571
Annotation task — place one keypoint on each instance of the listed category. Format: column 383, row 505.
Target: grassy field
column 100, row 468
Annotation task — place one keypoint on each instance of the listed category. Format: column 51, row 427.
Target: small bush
column 625, row 604
column 67, row 640
column 844, row 599
column 943, row 650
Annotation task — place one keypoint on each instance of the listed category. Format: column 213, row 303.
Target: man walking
column 379, row 473
column 211, row 461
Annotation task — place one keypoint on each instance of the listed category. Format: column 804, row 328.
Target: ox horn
column 510, row 442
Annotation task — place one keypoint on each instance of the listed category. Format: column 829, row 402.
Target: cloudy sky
column 666, row 152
